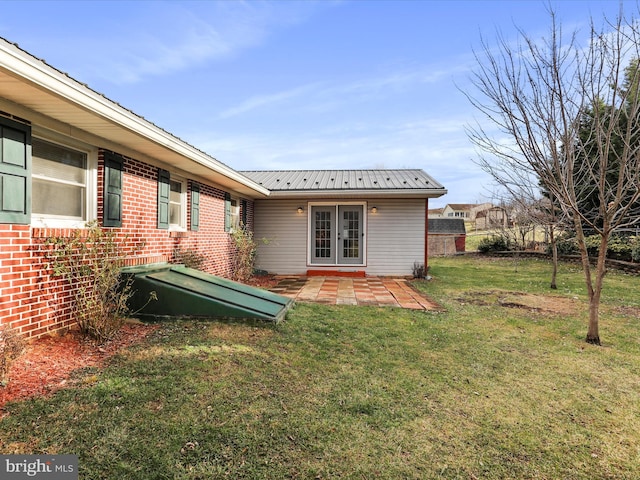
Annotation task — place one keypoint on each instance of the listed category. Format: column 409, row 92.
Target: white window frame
column 182, row 226
column 91, row 183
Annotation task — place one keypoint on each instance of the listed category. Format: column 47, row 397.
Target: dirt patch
column 266, row 281
column 545, row 304
column 633, row 312
column 47, row 362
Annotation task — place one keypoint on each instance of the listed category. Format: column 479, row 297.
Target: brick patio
column 394, row 292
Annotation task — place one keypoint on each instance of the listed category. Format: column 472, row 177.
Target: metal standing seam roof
column 345, row 180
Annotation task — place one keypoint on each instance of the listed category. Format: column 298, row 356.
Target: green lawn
column 501, row 385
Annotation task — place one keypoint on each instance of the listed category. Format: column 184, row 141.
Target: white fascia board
column 24, row 66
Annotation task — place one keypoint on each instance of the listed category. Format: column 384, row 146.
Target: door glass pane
column 351, row 234
column 323, row 234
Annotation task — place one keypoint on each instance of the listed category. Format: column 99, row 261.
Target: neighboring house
column 447, row 236
column 357, row 221
column 435, row 213
column 69, row 156
column 466, row 211
column 458, row 210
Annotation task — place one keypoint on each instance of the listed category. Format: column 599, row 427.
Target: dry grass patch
column 535, row 303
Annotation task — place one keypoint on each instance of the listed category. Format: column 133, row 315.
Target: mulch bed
column 265, row 281
column 47, row 362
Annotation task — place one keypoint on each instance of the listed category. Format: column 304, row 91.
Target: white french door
column 337, row 234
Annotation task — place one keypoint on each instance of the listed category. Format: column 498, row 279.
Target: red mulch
column 263, row 281
column 47, row 362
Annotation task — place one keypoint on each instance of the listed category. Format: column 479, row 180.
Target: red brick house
column 69, row 156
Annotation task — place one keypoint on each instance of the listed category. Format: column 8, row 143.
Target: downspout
column 426, row 236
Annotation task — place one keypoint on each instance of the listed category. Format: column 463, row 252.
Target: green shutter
column 195, row 206
column 227, row 212
column 112, row 207
column 244, row 212
column 15, row 172
column 164, row 190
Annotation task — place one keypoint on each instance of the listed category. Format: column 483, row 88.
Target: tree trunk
column 593, row 334
column 554, row 252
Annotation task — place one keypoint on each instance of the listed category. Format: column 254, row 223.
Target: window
column 231, row 213
column 62, row 184
column 172, row 202
column 176, row 214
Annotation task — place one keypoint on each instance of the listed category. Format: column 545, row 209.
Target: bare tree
column 566, row 117
column 546, row 213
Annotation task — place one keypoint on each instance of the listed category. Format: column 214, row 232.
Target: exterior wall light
column 300, row 209
column 374, row 209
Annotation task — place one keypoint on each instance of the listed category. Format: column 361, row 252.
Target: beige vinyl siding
column 281, row 234
column 395, row 236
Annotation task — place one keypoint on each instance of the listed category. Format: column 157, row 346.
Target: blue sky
column 295, row 85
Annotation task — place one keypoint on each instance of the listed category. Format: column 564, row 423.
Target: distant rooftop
column 446, row 226
column 407, row 181
column 462, row 206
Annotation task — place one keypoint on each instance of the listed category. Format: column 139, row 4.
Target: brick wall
column 35, row 302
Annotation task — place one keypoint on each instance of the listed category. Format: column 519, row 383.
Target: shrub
column 419, row 270
column 620, row 247
column 635, row 249
column 566, row 246
column 592, row 242
column 11, row 346
column 245, row 255
column 188, row 257
column 91, row 260
column 497, row 243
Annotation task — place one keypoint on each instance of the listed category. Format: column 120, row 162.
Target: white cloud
column 260, row 101
column 324, row 97
column 160, row 38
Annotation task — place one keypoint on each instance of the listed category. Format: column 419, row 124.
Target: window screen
column 59, row 177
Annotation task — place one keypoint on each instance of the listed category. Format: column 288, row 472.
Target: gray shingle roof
column 446, row 226
column 345, row 180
